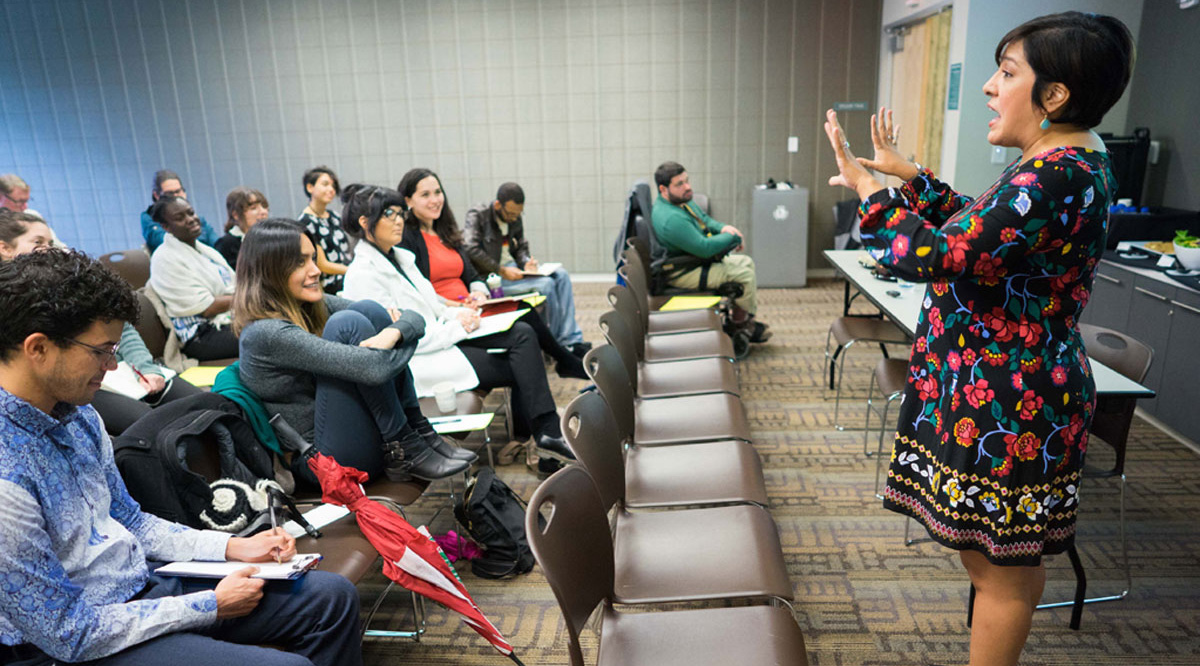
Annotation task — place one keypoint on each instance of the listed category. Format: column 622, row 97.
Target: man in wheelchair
column 704, row 252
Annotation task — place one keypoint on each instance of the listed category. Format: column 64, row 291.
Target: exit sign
column 849, row 106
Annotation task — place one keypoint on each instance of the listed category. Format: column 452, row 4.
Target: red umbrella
column 411, row 558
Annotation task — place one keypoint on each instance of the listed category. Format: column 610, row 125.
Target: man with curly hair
column 75, row 548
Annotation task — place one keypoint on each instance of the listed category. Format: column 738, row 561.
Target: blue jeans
column 314, row 618
column 354, row 420
column 560, row 303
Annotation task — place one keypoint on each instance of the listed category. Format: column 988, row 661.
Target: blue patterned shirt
column 74, row 544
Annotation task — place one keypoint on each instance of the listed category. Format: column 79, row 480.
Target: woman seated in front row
column 335, row 370
column 389, row 274
column 431, row 233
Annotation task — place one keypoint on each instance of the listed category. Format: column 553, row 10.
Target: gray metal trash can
column 779, row 236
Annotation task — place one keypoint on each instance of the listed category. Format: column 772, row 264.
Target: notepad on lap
column 690, row 303
column 497, row 323
column 543, row 270
column 290, row 570
column 124, row 380
column 202, row 375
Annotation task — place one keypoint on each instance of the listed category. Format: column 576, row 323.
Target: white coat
column 371, row 276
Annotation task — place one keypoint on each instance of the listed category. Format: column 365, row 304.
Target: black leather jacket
column 484, row 242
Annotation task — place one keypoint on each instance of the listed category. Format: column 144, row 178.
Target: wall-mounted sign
column 953, row 86
column 849, row 106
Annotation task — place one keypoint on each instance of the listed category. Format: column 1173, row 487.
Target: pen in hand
column 274, row 524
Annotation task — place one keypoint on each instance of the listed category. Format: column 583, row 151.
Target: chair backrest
column 150, row 327
column 624, row 302
column 591, row 429
column 643, row 252
column 574, row 547
column 1130, row 357
column 604, row 366
column 637, row 283
column 132, row 265
column 701, row 201
column 620, row 335
column 1127, row 355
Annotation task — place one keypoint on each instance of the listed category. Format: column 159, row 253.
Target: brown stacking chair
column 576, row 553
column 662, row 421
column 674, row 347
column 661, row 380
column 890, row 375
column 710, row 473
column 657, row 321
column 847, row 331
column 132, row 265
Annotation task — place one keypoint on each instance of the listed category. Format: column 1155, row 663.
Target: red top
column 445, row 272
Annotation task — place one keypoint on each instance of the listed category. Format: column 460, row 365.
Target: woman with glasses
column 23, row 232
column 336, row 370
column 389, row 274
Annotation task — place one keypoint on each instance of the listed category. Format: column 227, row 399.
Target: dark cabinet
column 1179, row 388
column 1112, row 292
column 1150, row 311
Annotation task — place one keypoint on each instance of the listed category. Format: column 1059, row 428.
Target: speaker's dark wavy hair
column 59, row 293
column 1091, row 54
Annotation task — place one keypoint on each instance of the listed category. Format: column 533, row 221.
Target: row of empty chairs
column 668, row 502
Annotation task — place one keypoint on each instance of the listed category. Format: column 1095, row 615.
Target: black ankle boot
column 444, row 448
column 411, row 458
column 548, row 466
column 555, row 448
column 571, row 366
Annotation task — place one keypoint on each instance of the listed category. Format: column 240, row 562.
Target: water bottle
column 493, row 283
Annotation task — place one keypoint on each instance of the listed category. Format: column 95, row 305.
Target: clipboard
column 290, row 570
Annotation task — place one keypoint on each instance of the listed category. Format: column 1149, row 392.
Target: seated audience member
column 325, row 227
column 167, row 184
column 76, row 549
column 488, row 228
column 431, row 234
column 21, row 233
column 194, row 282
column 246, row 207
column 14, row 194
column 389, row 274
column 683, row 229
column 336, row 370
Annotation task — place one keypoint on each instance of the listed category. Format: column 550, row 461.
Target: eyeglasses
column 106, row 356
column 393, row 212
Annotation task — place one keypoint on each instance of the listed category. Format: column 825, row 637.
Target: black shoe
column 444, row 448
column 580, row 349
column 555, row 448
column 548, row 466
column 571, row 368
column 759, row 332
column 411, row 458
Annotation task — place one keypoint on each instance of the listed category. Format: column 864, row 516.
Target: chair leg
column 879, row 451
column 867, row 420
column 971, row 606
column 1080, row 587
column 1124, row 542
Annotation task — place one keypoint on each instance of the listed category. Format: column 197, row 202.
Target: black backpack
column 494, row 516
column 152, row 457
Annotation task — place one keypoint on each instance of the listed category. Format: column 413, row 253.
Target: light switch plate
column 999, row 155
column 793, row 144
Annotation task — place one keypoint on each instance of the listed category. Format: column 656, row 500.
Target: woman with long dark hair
column 246, row 207
column 334, row 369
column 431, row 233
column 389, row 274
column 1000, row 395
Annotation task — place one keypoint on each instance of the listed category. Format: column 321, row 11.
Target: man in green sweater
column 682, row 228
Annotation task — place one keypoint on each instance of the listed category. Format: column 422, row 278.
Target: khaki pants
column 737, row 268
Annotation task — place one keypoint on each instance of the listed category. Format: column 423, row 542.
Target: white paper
column 293, row 568
column 461, row 422
column 497, row 323
column 124, row 380
column 545, row 269
column 318, row 517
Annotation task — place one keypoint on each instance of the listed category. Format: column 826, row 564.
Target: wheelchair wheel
column 741, row 344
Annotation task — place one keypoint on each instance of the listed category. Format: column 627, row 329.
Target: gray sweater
column 279, row 361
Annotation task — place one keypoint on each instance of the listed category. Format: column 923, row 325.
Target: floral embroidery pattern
column 1000, row 395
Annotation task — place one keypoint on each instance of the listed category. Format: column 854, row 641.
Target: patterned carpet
column 862, row 596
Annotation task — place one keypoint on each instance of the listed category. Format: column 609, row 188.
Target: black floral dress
column 999, row 395
column 334, row 243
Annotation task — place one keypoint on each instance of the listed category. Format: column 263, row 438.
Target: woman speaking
column 999, row 396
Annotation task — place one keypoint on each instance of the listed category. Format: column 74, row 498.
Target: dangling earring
column 1045, row 124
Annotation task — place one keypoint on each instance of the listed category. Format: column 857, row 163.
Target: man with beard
column 683, row 229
